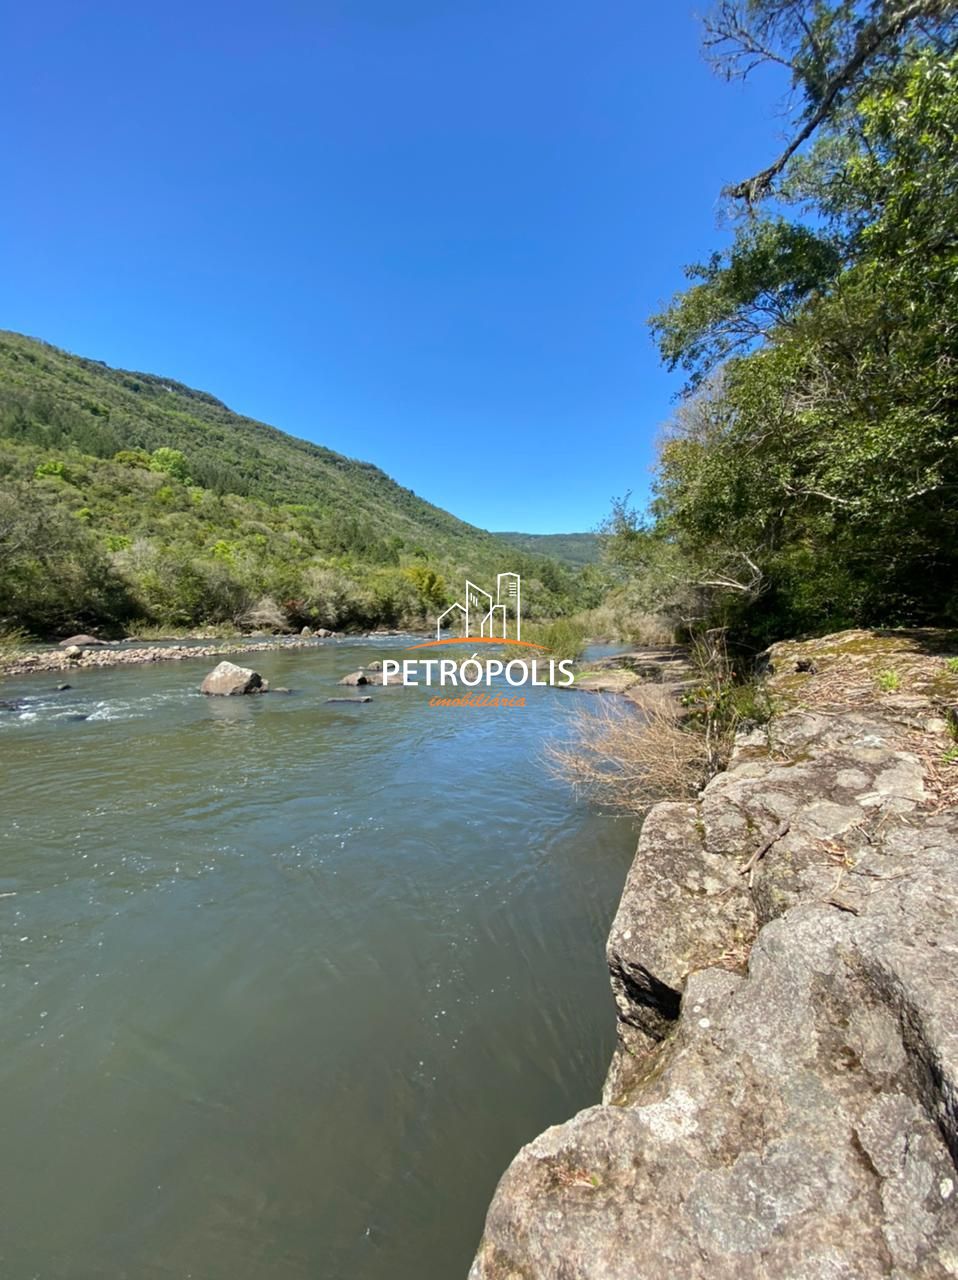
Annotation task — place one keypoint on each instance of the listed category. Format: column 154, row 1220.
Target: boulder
column 355, row 677
column 73, row 651
column 227, row 679
column 323, row 633
column 85, row 642
column 306, row 632
column 680, row 908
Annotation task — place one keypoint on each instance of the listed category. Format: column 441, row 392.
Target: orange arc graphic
column 431, row 644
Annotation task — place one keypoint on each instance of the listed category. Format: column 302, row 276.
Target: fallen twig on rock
column 762, row 850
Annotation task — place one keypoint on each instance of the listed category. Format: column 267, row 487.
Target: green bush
column 172, row 463
column 52, row 467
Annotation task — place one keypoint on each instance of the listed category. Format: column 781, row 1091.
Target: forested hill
column 55, row 400
column 127, row 498
column 576, row 549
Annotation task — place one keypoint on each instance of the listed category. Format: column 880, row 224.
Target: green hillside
column 576, row 549
column 127, row 497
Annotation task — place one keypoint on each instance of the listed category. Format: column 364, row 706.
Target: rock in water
column 228, row 679
column 355, row 677
column 83, row 641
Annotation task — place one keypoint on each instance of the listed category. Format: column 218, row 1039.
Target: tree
column 815, row 483
column 832, row 50
column 172, row 462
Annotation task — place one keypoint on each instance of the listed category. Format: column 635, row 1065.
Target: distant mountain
column 131, row 497
column 576, row 549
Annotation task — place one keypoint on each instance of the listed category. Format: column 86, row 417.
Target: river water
column 284, row 984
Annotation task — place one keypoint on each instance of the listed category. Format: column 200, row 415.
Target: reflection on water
column 285, row 984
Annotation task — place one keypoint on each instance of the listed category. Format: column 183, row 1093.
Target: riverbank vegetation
column 626, row 756
column 128, row 501
column 663, row 741
column 612, row 622
column 809, row 478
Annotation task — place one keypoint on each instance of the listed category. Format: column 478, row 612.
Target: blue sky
column 426, row 233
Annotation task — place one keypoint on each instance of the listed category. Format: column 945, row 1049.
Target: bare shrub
column 264, row 615
column 617, row 622
column 651, row 629
column 333, row 599
column 12, row 642
column 627, row 754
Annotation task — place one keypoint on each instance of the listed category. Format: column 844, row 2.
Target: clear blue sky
column 426, row 233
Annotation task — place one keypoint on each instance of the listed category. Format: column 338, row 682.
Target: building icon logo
column 480, row 618
column 491, row 615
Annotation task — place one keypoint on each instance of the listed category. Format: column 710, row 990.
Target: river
column 285, row 984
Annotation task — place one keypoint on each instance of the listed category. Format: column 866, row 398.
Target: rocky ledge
column 625, row 673
column 783, row 1100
